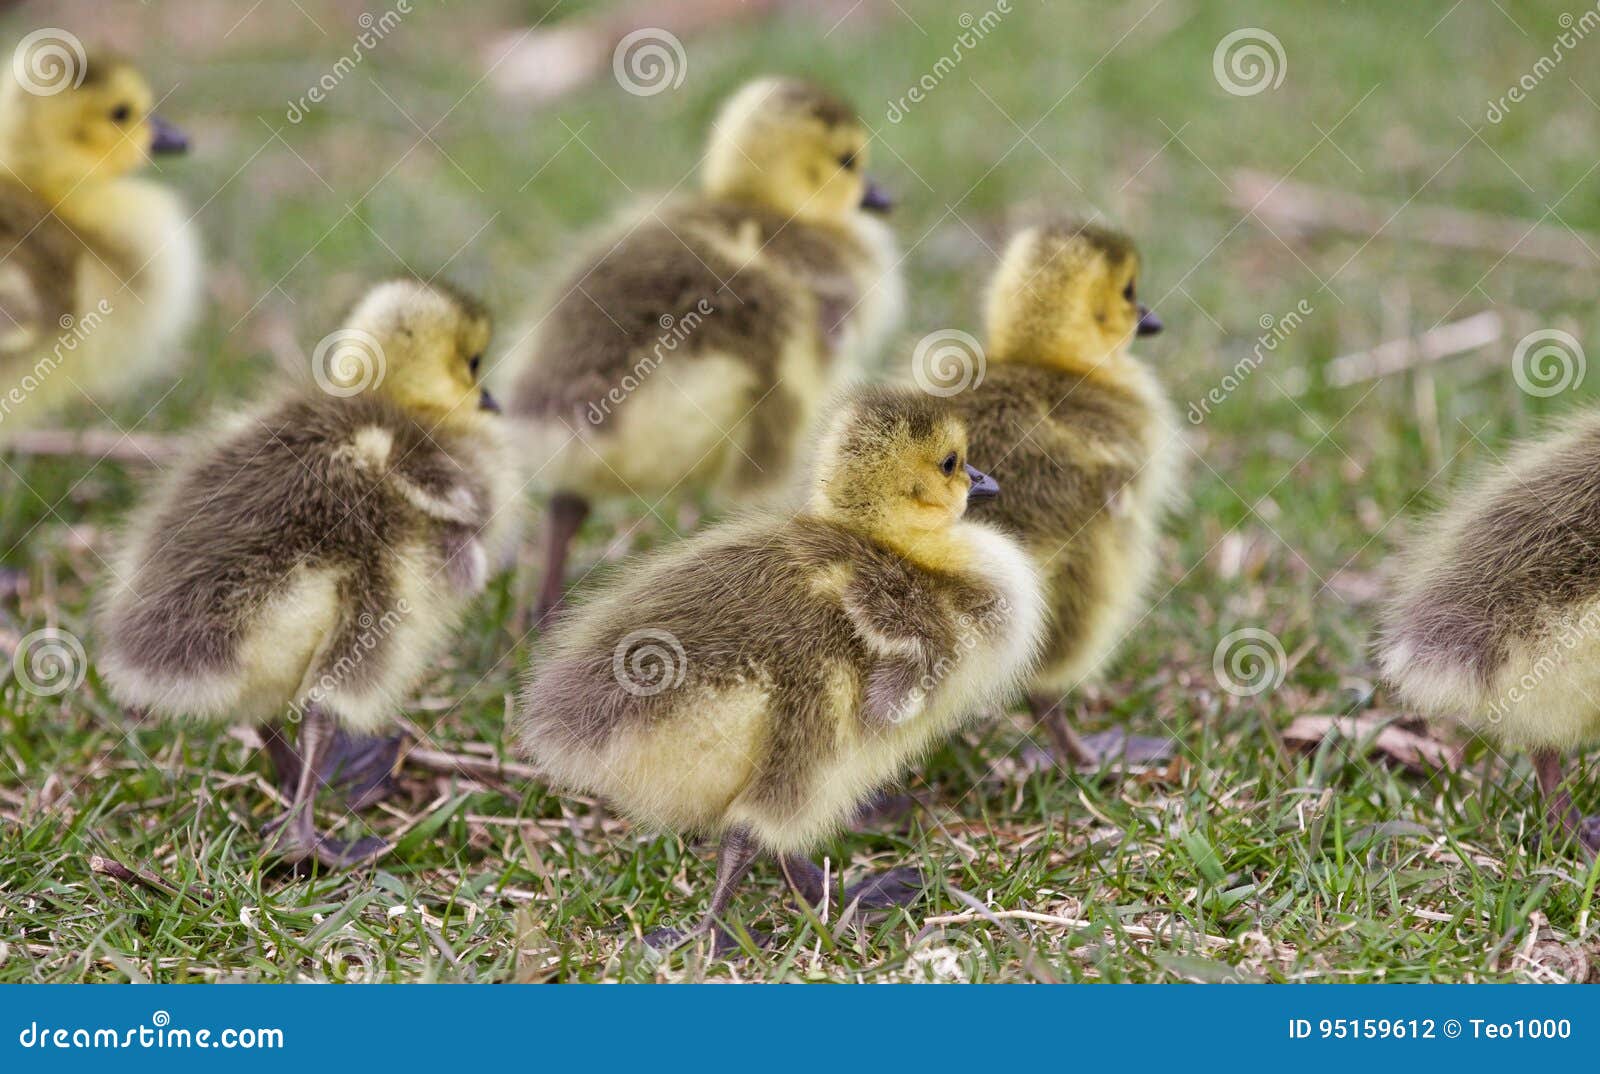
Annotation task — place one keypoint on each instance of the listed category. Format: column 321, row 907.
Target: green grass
column 1246, row 859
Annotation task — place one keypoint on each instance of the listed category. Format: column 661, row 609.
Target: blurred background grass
column 1246, row 859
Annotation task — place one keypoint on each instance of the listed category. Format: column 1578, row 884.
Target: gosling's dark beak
column 1149, row 323
column 983, row 487
column 166, row 138
column 875, row 198
column 487, row 402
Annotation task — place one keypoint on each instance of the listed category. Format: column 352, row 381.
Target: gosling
column 309, row 563
column 1082, row 436
column 1495, row 615
column 103, row 271
column 689, row 353
column 761, row 680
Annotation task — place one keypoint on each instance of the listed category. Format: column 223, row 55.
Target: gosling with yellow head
column 1082, row 434
column 1494, row 619
column 762, row 679
column 103, row 274
column 690, row 351
column 310, row 561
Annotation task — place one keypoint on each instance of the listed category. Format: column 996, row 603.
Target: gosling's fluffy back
column 693, row 349
column 1495, row 617
column 725, row 682
column 309, row 546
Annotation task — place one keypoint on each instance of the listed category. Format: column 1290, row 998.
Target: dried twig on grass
column 1307, row 207
column 142, row 448
column 1136, row 932
column 1415, row 751
column 1399, row 355
column 467, row 764
column 117, row 871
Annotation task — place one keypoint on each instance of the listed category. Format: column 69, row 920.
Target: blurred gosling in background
column 309, row 563
column 755, row 298
column 1081, row 435
column 102, row 276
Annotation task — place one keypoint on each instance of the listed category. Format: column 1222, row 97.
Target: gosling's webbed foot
column 884, row 810
column 358, row 769
column 300, row 844
column 723, row 942
column 1116, row 744
column 885, row 890
column 1589, row 834
column 361, row 769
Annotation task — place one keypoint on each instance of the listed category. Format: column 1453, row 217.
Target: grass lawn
column 1250, row 857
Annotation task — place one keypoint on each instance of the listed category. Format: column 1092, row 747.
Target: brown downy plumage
column 309, row 561
column 1495, row 614
column 1082, row 437
column 690, row 350
column 760, row 680
column 102, row 273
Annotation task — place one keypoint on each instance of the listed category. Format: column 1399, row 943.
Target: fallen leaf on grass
column 1382, row 734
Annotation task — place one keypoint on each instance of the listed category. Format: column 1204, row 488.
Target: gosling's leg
column 1065, row 743
column 360, row 770
column 565, row 518
column 1559, row 813
column 735, row 855
column 297, row 838
column 1094, row 751
column 882, row 891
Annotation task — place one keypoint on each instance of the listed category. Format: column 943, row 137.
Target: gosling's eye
column 1127, row 292
column 948, row 466
column 120, row 113
column 848, row 161
column 474, row 362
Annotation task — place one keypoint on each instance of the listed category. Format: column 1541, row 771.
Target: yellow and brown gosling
column 307, row 563
column 1081, row 435
column 763, row 678
column 103, row 271
column 1495, row 615
column 689, row 351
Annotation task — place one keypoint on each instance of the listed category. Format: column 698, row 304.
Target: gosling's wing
column 1062, row 453
column 38, row 262
column 907, row 630
column 22, row 324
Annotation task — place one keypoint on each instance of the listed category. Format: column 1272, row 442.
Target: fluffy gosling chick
column 1495, row 615
column 311, row 561
column 762, row 679
column 1081, row 435
column 754, row 298
column 103, row 270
